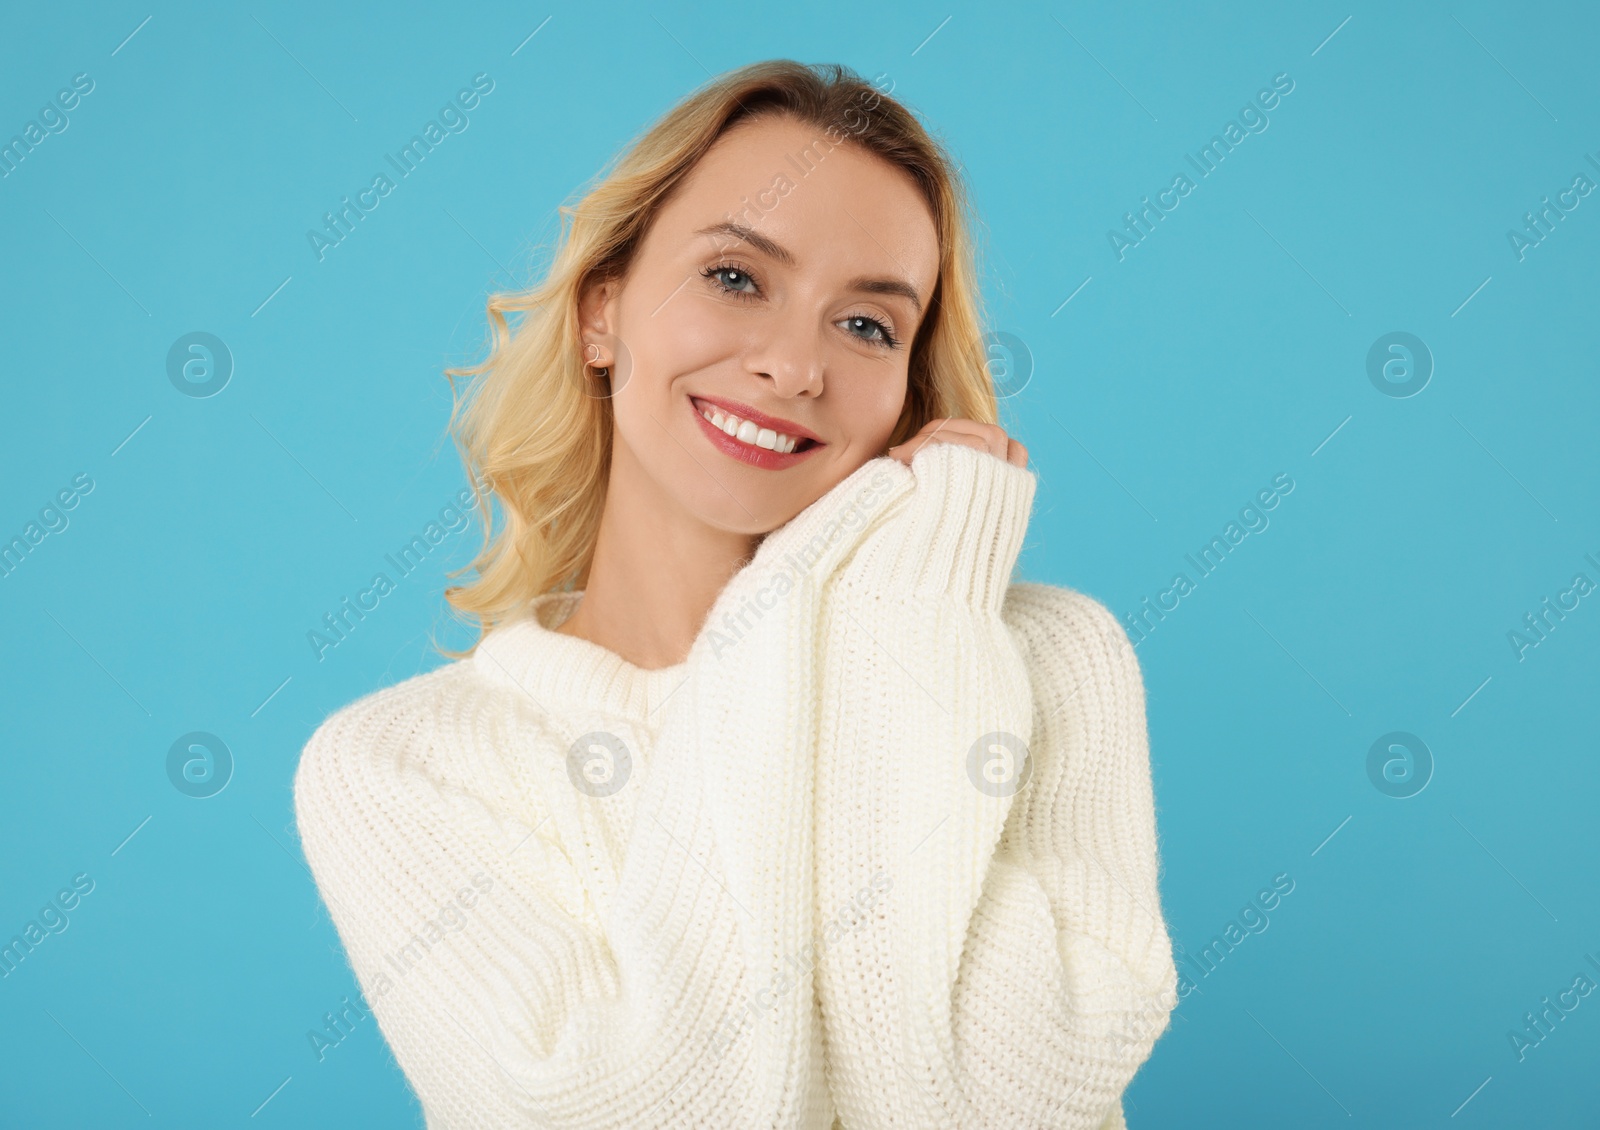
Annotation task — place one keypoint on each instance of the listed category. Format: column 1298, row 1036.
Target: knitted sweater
column 880, row 852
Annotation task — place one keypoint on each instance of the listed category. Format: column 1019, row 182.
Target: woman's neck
column 655, row 573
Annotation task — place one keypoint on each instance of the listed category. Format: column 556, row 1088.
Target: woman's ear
column 595, row 315
column 601, row 352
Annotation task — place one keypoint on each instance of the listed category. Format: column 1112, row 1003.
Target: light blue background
column 1175, row 384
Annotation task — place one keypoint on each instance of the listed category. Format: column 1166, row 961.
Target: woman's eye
column 862, row 322
column 721, row 274
column 731, row 280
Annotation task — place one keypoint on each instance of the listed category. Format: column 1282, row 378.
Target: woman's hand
column 985, row 437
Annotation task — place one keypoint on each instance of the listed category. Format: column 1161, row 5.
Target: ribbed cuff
column 960, row 533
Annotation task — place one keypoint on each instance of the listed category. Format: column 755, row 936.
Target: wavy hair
column 533, row 435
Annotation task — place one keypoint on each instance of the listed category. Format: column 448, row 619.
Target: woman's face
column 801, row 317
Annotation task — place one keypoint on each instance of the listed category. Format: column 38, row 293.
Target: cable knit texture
column 881, row 852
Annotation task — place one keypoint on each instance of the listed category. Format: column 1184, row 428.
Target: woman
column 765, row 799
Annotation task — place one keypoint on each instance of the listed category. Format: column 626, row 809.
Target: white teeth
column 747, row 432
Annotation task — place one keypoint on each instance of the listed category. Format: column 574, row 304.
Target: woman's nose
column 791, row 356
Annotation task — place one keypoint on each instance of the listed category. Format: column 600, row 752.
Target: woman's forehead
column 822, row 202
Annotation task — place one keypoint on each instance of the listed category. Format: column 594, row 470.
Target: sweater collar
column 561, row 673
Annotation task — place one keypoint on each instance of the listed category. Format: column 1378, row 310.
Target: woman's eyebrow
column 775, row 250
column 749, row 235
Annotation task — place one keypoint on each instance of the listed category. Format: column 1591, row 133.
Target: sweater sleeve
column 983, row 768
column 676, row 998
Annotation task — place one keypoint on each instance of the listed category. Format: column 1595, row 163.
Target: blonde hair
column 528, row 429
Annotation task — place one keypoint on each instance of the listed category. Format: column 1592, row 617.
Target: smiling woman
column 756, row 507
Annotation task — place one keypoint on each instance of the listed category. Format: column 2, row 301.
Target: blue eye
column 715, row 273
column 884, row 338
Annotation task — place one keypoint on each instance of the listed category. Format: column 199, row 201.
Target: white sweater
column 880, row 853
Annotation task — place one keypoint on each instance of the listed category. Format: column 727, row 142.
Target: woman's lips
column 746, row 452
column 757, row 417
